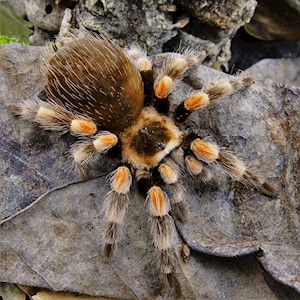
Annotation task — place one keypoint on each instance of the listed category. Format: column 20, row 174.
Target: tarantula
column 116, row 104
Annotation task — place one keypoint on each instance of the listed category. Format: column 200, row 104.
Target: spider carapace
column 115, row 103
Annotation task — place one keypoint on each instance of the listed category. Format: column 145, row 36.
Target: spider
column 117, row 104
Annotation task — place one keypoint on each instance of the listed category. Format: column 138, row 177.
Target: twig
column 45, row 194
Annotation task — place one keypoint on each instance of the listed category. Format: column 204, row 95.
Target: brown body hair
column 99, row 81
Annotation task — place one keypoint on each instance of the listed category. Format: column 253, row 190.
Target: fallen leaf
column 10, row 291
column 48, row 295
column 57, row 243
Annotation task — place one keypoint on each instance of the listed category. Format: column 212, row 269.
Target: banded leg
column 162, row 224
column 237, row 169
column 162, row 229
column 174, row 68
column 201, row 99
column 198, row 168
column 211, row 154
column 86, row 151
column 52, row 116
column 178, row 156
column 115, row 206
column 144, row 64
column 169, row 172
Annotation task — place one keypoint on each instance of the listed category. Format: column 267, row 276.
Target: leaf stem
column 44, row 195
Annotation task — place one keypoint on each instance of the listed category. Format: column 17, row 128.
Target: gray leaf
column 57, row 242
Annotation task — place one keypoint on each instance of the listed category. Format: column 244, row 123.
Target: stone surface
column 155, row 25
column 19, row 7
column 284, row 71
column 44, row 14
column 57, row 242
column 211, row 27
column 276, row 20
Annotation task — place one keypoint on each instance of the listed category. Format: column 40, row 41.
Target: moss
column 12, row 25
column 4, row 39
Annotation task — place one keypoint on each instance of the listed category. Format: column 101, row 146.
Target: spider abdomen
column 93, row 77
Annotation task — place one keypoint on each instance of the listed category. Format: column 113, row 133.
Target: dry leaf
column 57, row 243
column 47, row 295
column 11, row 292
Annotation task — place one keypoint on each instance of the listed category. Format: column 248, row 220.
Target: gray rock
column 158, row 26
column 44, row 14
column 39, row 37
column 147, row 22
column 19, row 7
column 212, row 26
column 278, row 20
column 281, row 71
column 155, row 25
column 57, row 242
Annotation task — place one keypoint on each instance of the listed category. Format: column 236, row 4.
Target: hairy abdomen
column 95, row 78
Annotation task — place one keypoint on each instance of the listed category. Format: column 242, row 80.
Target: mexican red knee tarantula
column 115, row 103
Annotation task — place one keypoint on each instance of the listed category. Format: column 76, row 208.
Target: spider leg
column 210, row 153
column 201, row 99
column 53, row 116
column 162, row 228
column 144, row 64
column 162, row 224
column 237, row 170
column 86, row 151
column 173, row 69
column 115, row 206
column 198, row 168
column 169, row 173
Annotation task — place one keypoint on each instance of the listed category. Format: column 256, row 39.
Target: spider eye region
column 150, row 139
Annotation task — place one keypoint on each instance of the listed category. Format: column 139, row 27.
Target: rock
column 19, row 7
column 212, row 26
column 247, row 50
column 147, row 22
column 39, row 37
column 57, row 242
column 48, row 295
column 232, row 15
column 274, row 21
column 284, row 71
column 156, row 26
column 44, row 15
